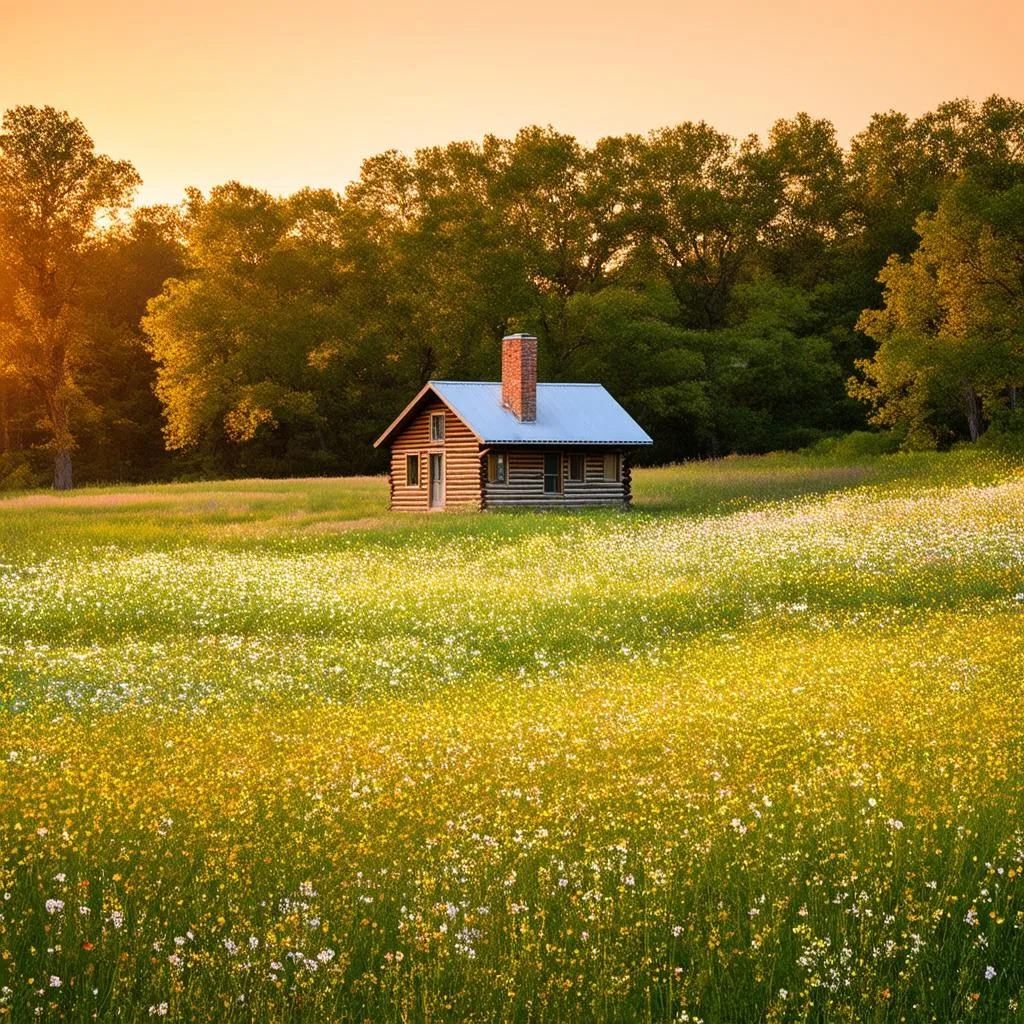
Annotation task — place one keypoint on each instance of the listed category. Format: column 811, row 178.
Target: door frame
column 439, row 505
column 559, row 456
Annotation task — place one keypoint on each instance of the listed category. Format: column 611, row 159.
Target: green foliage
column 119, row 423
column 714, row 285
column 1006, row 434
column 774, row 379
column 858, row 444
column 233, row 338
column 54, row 191
column 18, row 474
column 950, row 335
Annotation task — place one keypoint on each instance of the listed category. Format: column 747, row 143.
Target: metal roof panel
column 566, row 414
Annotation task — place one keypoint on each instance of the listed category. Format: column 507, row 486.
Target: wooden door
column 553, row 473
column 436, row 480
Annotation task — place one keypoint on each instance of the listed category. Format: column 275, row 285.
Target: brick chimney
column 519, row 376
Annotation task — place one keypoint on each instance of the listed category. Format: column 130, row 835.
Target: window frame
column 494, row 461
column 577, row 459
column 616, row 475
column 436, row 436
column 412, row 460
column 558, row 476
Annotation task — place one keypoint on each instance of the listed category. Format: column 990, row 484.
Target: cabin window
column 437, row 426
column 497, row 468
column 553, row 473
column 576, row 465
column 611, row 466
column 412, row 471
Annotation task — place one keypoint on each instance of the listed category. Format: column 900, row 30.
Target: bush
column 995, row 439
column 18, row 474
column 858, row 444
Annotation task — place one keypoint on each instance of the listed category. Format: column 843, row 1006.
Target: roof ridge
column 540, row 384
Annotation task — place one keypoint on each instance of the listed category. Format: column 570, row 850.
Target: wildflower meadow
column 753, row 751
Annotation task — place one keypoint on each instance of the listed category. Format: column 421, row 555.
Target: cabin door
column 436, row 480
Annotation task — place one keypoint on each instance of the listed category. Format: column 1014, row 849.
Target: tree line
column 734, row 295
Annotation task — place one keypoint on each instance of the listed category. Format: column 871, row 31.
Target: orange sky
column 281, row 95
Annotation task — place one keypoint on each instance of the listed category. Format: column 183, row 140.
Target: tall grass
column 751, row 752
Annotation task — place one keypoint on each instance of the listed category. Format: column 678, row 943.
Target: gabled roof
column 566, row 414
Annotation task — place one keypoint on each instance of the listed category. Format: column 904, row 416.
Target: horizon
column 199, row 108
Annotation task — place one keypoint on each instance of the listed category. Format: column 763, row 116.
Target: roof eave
column 564, row 441
column 400, row 419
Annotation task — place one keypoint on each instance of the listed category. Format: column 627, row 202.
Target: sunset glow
column 285, row 95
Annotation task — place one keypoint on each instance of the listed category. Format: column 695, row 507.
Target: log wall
column 461, row 463
column 525, row 484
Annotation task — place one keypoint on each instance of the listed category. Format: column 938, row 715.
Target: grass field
column 752, row 752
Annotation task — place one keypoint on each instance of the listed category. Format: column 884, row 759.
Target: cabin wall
column 461, row 464
column 525, row 484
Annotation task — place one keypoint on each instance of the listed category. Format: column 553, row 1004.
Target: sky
column 286, row 94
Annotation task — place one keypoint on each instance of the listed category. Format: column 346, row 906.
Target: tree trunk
column 973, row 412
column 62, row 470
column 5, row 418
column 63, row 442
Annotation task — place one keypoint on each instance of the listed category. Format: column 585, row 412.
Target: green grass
column 752, row 751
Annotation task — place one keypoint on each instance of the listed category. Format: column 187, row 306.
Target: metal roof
column 566, row 414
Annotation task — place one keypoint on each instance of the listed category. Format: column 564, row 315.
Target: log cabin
column 513, row 443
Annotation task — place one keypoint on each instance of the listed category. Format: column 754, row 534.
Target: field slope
column 752, row 752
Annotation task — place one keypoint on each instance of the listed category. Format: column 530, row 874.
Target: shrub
column 858, row 444
column 17, row 474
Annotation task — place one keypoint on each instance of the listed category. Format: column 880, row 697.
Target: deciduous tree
column 54, row 193
column 233, row 337
column 951, row 332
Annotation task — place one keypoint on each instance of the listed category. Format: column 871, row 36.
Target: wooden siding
column 461, row 462
column 525, row 484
